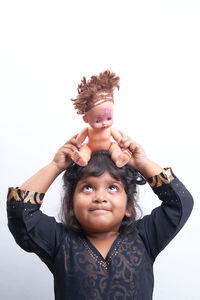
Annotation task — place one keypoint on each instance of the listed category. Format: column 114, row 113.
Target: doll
column 95, row 102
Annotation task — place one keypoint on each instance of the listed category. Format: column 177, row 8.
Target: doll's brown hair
column 87, row 90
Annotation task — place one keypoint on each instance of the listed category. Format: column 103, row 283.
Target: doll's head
column 97, row 90
column 100, row 116
column 125, row 178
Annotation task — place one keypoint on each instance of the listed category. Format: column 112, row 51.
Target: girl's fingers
column 136, row 148
column 133, row 147
column 126, row 142
column 73, row 138
column 70, row 147
column 66, row 152
column 73, row 141
column 122, row 133
column 125, row 145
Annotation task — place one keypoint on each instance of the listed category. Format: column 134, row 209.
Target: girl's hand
column 41, row 181
column 62, row 158
column 139, row 160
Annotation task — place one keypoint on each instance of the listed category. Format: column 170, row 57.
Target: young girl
column 101, row 250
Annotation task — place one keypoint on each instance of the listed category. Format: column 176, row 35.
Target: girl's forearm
column 150, row 169
column 41, row 181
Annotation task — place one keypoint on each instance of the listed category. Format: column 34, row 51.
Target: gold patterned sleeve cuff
column 165, row 177
column 25, row 196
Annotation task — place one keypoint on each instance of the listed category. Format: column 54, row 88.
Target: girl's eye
column 97, row 121
column 113, row 188
column 87, row 188
column 109, row 118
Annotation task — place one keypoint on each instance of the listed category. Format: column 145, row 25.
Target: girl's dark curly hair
column 99, row 163
column 105, row 81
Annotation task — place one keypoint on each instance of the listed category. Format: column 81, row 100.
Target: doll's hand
column 62, row 158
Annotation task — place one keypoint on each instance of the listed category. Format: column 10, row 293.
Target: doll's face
column 100, row 116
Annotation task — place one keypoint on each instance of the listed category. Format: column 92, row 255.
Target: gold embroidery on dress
column 14, row 194
column 29, row 197
column 165, row 177
column 24, row 196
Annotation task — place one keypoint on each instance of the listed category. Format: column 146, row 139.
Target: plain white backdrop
column 45, row 49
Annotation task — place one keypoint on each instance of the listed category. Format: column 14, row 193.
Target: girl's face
column 100, row 116
column 100, row 203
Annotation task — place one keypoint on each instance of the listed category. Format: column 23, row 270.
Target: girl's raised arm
column 41, row 181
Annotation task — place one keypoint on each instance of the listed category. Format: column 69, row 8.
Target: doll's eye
column 109, row 118
column 97, row 121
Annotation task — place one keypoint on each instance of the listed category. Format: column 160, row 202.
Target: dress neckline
column 97, row 256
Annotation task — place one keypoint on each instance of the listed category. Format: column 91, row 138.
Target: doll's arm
column 116, row 135
column 82, row 135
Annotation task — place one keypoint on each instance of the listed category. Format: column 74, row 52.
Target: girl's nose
column 99, row 197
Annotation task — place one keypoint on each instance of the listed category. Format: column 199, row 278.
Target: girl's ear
column 85, row 118
column 128, row 214
column 128, row 211
column 71, row 211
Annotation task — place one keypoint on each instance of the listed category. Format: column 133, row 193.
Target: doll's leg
column 120, row 157
column 82, row 156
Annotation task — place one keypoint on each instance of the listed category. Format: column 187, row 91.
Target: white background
column 45, row 49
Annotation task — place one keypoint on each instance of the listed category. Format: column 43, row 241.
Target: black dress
column 80, row 272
